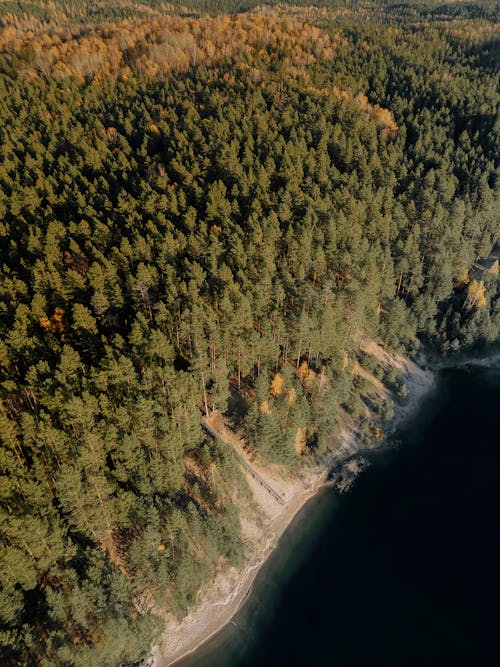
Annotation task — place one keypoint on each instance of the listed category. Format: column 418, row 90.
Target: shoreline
column 222, row 611
column 224, row 597
column 247, row 582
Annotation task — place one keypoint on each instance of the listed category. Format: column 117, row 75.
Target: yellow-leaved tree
column 476, row 295
column 277, row 385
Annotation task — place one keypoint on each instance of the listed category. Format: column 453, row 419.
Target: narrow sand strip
column 263, row 524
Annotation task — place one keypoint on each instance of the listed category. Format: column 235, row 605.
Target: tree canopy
column 204, row 213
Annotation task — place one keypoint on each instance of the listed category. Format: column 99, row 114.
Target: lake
column 402, row 571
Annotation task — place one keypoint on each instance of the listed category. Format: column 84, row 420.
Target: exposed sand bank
column 262, row 526
column 265, row 520
column 417, row 380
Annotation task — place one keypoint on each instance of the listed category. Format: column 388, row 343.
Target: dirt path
column 262, row 525
column 248, row 467
column 264, row 520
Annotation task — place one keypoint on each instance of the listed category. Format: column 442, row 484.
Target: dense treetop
column 212, row 212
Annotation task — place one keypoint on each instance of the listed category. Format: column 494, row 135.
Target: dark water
column 405, row 570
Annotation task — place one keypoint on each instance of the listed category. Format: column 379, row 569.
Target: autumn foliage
column 167, row 43
column 55, row 323
column 162, row 43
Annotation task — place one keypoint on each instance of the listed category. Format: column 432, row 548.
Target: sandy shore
column 262, row 525
column 417, row 380
column 213, row 614
column 265, row 520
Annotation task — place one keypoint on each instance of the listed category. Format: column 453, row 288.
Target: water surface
column 401, row 572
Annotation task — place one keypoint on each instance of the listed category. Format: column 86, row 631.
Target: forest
column 210, row 206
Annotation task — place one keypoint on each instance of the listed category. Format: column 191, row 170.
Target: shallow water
column 402, row 571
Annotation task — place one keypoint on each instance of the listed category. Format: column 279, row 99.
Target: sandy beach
column 264, row 520
column 262, row 525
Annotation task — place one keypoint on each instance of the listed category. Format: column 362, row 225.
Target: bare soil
column 264, row 520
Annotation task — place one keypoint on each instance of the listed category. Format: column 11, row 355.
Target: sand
column 265, row 520
column 417, row 380
column 262, row 523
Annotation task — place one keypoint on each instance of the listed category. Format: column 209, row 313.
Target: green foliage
column 172, row 244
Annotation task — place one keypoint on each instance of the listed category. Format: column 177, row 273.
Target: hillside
column 203, row 214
